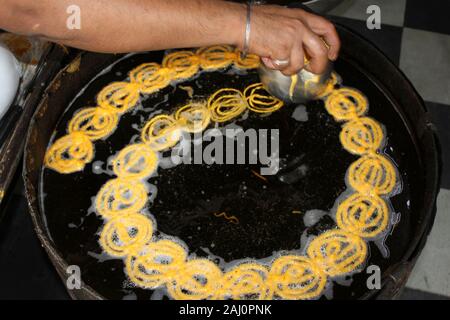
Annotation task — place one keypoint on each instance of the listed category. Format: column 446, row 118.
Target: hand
column 283, row 37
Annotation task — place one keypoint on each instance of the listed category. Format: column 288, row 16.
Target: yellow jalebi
column 183, row 64
column 226, row 104
column 126, row 234
column 250, row 61
column 216, row 57
column 193, row 117
column 152, row 263
column 329, row 88
column 136, row 161
column 198, row 279
column 372, row 174
column 361, row 136
column 157, row 264
column 296, row 277
column 150, row 77
column 161, row 132
column 363, row 215
column 333, row 253
column 95, row 123
column 338, row 252
column 119, row 97
column 69, row 153
column 346, row 104
column 259, row 100
column 245, row 281
column 120, row 196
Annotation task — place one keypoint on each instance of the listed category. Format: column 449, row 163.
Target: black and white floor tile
column 425, row 58
column 415, row 34
column 387, row 39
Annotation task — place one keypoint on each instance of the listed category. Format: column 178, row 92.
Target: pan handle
column 11, row 151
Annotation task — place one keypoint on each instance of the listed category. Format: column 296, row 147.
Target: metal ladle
column 299, row 88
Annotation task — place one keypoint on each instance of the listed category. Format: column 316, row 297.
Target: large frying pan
column 394, row 102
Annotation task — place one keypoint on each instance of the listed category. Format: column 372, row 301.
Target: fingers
column 317, row 52
column 281, row 48
column 296, row 62
column 290, row 47
column 275, row 63
column 284, row 41
column 272, row 39
column 288, row 52
column 326, row 29
column 332, row 39
column 317, row 24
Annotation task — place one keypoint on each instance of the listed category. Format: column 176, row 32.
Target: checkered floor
column 415, row 34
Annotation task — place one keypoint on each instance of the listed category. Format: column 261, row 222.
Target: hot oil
column 189, row 200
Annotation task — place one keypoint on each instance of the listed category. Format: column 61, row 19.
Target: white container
column 9, row 79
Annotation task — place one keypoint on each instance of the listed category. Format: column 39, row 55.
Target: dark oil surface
column 189, row 195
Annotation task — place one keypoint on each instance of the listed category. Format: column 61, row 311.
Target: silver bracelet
column 247, row 30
